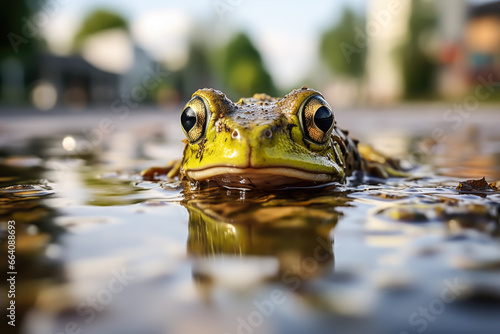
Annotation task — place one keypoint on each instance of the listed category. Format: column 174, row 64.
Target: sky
column 286, row 32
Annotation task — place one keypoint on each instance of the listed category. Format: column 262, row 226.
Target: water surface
column 102, row 251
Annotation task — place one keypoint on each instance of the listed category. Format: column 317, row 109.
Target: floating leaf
column 480, row 186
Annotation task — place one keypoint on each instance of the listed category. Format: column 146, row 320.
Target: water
column 102, row 251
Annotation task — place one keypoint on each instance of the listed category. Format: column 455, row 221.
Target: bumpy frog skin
column 262, row 142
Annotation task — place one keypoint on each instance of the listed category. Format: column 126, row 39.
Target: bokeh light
column 69, row 143
column 44, row 95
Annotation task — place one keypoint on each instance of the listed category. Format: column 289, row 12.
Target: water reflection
column 35, row 253
column 209, row 254
column 276, row 238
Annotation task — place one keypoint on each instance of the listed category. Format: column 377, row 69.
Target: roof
column 488, row 9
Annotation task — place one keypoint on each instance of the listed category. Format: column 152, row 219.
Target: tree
column 20, row 44
column 339, row 49
column 243, row 71
column 98, row 21
column 419, row 69
column 198, row 71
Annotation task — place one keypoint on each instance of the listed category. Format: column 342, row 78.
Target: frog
column 264, row 142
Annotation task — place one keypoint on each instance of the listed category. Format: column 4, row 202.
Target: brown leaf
column 480, row 185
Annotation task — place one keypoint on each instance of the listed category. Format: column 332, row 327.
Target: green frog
column 267, row 142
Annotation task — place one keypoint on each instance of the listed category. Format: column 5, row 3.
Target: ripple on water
column 27, row 190
column 198, row 253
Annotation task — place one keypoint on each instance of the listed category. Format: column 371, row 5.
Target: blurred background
column 76, row 55
column 90, row 95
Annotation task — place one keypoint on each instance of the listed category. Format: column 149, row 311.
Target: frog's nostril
column 235, row 134
column 268, row 133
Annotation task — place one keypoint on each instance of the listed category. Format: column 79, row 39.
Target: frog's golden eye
column 316, row 119
column 193, row 119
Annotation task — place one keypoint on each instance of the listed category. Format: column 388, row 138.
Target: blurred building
column 470, row 45
column 78, row 83
column 452, row 20
column 386, row 29
column 110, row 66
column 482, row 41
column 465, row 46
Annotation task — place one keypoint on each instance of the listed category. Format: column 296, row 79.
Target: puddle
column 101, row 250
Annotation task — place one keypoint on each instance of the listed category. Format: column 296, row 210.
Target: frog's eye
column 316, row 119
column 193, row 119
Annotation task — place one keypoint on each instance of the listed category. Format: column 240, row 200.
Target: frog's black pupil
column 188, row 119
column 323, row 119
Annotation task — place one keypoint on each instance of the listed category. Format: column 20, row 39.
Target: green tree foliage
column 20, row 43
column 15, row 22
column 419, row 69
column 198, row 72
column 243, row 71
column 97, row 21
column 339, row 49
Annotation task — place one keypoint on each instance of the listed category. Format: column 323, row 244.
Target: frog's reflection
column 295, row 231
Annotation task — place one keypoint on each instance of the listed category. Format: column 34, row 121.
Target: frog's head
column 261, row 141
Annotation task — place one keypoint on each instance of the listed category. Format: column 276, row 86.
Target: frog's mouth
column 262, row 177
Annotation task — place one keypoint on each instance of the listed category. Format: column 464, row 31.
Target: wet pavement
column 99, row 250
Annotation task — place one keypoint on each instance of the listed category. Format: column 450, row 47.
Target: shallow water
column 102, row 251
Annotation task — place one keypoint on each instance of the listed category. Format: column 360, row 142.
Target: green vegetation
column 243, row 71
column 16, row 23
column 198, row 72
column 339, row 49
column 98, row 21
column 18, row 47
column 419, row 68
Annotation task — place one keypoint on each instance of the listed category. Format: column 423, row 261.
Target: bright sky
column 286, row 32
